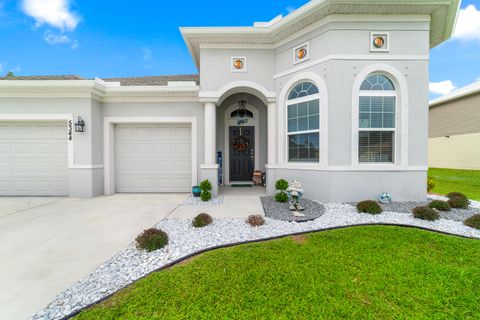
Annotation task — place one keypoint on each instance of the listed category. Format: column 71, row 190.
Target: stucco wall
column 215, row 70
column 349, row 186
column 455, row 152
column 353, row 37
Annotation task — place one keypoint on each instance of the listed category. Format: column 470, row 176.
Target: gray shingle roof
column 127, row 81
column 154, row 80
column 61, row 77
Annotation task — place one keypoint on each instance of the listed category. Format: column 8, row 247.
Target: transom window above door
column 241, row 113
column 303, row 123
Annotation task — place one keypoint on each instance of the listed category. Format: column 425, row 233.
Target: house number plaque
column 70, row 130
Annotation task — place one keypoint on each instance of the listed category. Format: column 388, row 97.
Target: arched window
column 377, row 120
column 303, row 123
column 242, row 113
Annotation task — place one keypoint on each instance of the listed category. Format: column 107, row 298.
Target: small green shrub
column 430, row 184
column 458, row 203
column 281, row 185
column 425, row 213
column 281, row 197
column 369, row 206
column 473, row 221
column 206, row 185
column 256, row 220
column 456, row 194
column 202, row 220
column 440, row 205
column 151, row 240
column 205, row 196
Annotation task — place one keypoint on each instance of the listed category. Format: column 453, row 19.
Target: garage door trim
column 109, row 143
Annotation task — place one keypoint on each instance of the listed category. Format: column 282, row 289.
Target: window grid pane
column 377, row 82
column 302, row 90
column 304, row 147
column 377, row 112
column 303, row 116
column 376, row 146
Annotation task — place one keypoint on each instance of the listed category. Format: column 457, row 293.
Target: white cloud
column 51, row 38
column 1, row 68
column 55, row 39
column 146, row 54
column 468, row 24
column 55, row 13
column 442, row 87
column 290, row 9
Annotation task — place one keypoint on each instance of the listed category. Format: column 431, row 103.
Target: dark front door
column 242, row 153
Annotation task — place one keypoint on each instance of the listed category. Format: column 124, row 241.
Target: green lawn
column 449, row 180
column 364, row 272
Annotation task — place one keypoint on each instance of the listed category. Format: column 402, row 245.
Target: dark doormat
column 241, row 185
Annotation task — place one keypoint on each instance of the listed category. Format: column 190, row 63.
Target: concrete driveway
column 48, row 244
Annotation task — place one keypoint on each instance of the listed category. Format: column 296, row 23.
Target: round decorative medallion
column 378, row 42
column 302, row 53
column 238, row 64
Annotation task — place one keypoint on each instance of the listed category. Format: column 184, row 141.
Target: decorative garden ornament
column 295, row 193
column 385, row 198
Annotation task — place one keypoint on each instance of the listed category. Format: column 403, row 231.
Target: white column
column 272, row 133
column 210, row 133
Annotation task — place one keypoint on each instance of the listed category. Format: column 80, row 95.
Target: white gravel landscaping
column 131, row 264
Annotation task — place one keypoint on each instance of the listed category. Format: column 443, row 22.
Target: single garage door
column 153, row 158
column 33, row 159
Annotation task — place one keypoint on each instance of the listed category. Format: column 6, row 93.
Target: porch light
column 79, row 125
column 242, row 104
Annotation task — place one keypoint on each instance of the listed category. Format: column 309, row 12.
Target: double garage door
column 153, row 158
column 33, row 159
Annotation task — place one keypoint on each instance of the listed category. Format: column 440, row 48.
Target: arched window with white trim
column 303, row 123
column 377, row 120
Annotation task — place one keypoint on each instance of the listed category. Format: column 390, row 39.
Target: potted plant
column 196, row 191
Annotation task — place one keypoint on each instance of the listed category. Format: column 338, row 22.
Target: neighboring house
column 454, row 135
column 334, row 95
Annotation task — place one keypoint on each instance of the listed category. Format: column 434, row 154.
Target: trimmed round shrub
column 256, row 220
column 202, row 220
column 458, row 203
column 430, row 184
column 425, row 213
column 440, row 205
column 369, row 206
column 281, row 197
column 206, row 196
column 473, row 221
column 456, row 194
column 281, row 185
column 151, row 240
column 205, row 185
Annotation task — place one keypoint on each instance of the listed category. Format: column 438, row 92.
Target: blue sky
column 123, row 38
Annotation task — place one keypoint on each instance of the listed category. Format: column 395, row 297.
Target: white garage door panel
column 33, row 159
column 153, row 158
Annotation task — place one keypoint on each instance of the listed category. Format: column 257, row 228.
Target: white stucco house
column 335, row 95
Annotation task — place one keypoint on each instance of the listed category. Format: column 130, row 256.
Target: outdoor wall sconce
column 80, row 125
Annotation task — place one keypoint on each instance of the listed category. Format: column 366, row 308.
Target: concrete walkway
column 48, row 244
column 235, row 203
